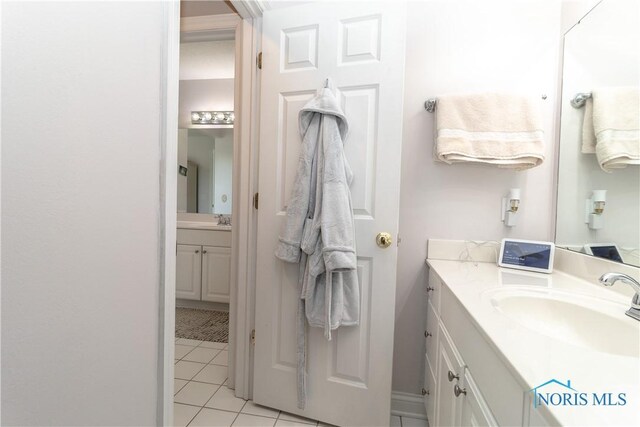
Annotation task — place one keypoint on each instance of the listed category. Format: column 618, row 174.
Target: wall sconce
column 594, row 208
column 212, row 117
column 510, row 206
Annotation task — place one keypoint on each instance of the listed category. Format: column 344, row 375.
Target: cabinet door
column 473, row 409
column 188, row 272
column 448, row 361
column 216, row 268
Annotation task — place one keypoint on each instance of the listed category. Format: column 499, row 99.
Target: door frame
column 245, row 140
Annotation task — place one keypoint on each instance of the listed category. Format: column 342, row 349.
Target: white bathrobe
column 319, row 228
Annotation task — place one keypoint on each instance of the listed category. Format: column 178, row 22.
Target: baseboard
column 407, row 405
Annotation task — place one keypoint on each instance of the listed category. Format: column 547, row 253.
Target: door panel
column 361, row 48
column 216, row 269
column 188, row 272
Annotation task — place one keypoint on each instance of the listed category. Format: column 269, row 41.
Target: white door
column 188, row 272
column 216, row 268
column 360, row 46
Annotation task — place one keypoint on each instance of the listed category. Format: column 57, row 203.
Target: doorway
column 204, row 243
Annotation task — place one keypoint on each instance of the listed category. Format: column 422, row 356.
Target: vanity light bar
column 212, row 117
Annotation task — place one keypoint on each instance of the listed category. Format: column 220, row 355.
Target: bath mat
column 206, row 325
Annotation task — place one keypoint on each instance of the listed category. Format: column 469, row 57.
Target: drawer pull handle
column 425, row 392
column 458, row 391
column 204, row 252
column 197, row 251
column 427, row 334
column 429, row 289
column 452, row 377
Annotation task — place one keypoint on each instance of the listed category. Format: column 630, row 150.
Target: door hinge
column 399, row 240
column 259, row 60
column 255, row 200
column 253, row 336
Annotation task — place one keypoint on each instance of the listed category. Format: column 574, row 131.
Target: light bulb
column 195, row 117
column 219, row 116
column 208, row 116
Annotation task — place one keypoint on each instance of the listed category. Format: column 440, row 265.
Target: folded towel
column 496, row 129
column 616, row 125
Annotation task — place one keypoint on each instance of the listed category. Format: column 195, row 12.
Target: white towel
column 496, row 129
column 615, row 120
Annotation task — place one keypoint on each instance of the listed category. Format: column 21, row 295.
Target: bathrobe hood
column 325, row 103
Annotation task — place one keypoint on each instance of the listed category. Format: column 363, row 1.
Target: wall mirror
column 205, row 186
column 205, row 148
column 598, row 206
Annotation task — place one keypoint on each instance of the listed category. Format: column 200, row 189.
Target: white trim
column 245, row 185
column 250, row 9
column 227, row 21
column 168, row 209
column 408, row 405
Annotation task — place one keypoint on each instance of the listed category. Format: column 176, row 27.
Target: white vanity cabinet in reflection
column 188, row 272
column 203, row 265
column 216, row 267
column 451, row 396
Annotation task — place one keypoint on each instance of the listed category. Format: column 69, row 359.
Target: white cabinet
column 452, row 397
column 473, row 409
column 203, row 265
column 188, row 272
column 449, row 370
column 216, row 268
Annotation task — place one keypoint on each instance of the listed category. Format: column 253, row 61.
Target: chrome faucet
column 608, row 279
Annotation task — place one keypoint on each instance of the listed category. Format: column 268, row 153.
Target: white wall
column 183, row 141
column 223, row 171
column 201, row 152
column 602, row 51
column 204, row 95
column 207, row 60
column 466, row 46
column 80, row 194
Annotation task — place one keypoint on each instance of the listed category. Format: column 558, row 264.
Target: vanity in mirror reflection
column 599, row 172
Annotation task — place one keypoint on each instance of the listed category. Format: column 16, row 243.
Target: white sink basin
column 589, row 322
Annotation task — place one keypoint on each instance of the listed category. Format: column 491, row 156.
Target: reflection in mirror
column 205, row 157
column 598, row 210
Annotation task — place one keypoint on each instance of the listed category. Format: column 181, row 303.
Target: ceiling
column 205, row 7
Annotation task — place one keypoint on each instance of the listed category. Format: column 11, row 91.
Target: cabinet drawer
column 434, row 286
column 432, row 332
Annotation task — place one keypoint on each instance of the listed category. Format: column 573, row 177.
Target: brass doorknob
column 383, row 240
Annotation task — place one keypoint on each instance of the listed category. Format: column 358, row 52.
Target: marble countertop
column 534, row 357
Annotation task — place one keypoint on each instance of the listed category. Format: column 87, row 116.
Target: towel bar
column 430, row 104
column 580, row 99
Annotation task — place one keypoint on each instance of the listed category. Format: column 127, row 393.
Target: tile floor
column 201, row 397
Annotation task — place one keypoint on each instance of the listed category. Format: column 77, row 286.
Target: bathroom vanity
column 203, row 261
column 494, row 336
